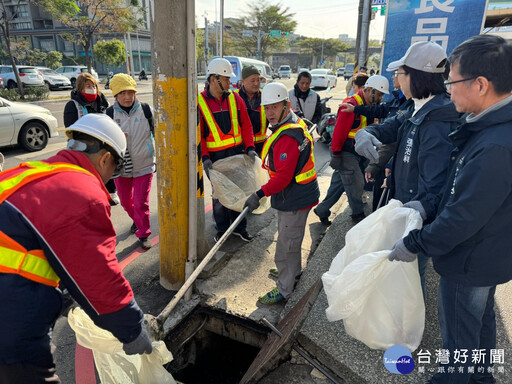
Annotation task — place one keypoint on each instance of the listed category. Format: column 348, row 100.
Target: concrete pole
column 221, row 27
column 127, row 57
column 365, row 32
column 358, row 36
column 138, row 50
column 132, row 74
column 174, row 104
column 206, row 36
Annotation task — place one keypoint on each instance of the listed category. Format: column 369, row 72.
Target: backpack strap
column 110, row 112
column 147, row 113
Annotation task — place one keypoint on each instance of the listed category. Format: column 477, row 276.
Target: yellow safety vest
column 307, row 173
column 14, row 258
column 262, row 134
column 362, row 121
column 218, row 140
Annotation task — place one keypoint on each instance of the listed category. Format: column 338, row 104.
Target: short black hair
column 489, row 56
column 423, row 84
column 360, row 79
column 304, row 74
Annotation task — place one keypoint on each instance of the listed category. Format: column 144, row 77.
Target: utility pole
column 358, row 36
column 132, row 74
column 206, row 51
column 365, row 32
column 174, row 98
column 221, row 26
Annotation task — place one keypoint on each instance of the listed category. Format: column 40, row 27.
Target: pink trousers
column 134, row 196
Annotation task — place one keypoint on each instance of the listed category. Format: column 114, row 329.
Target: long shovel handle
column 385, row 194
column 186, row 286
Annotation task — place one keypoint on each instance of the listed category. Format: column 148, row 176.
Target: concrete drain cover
column 277, row 349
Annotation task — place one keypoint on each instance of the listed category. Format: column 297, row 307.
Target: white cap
column 424, row 56
column 273, row 93
column 101, row 127
column 220, row 66
column 379, row 83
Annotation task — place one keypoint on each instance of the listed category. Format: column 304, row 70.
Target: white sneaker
column 114, row 199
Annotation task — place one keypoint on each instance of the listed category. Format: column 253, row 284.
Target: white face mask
column 90, row 91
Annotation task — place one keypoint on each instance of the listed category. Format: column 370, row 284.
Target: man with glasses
column 56, row 235
column 469, row 241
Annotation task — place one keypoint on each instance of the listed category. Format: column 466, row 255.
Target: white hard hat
column 379, row 83
column 101, row 127
column 273, row 93
column 220, row 66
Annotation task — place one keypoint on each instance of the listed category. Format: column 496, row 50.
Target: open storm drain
column 213, row 347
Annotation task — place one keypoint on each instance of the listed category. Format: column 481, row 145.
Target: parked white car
column 26, row 124
column 29, row 76
column 53, row 80
column 285, row 72
column 73, row 71
column 323, row 78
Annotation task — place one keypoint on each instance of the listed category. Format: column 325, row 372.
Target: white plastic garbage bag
column 380, row 302
column 113, row 365
column 235, row 178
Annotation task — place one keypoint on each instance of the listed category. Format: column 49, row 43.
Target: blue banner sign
column 445, row 22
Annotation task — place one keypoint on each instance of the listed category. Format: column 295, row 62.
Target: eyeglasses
column 399, row 73
column 448, row 83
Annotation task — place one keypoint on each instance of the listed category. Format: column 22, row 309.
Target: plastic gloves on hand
column 401, row 253
column 252, row 202
column 252, row 154
column 207, row 165
column 365, row 145
column 415, row 204
column 335, row 162
column 140, row 345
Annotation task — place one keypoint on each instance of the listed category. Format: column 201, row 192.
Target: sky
column 321, row 19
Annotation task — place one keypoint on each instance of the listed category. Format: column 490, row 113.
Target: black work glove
column 335, row 162
column 139, row 346
column 252, row 202
column 252, row 154
column 207, row 165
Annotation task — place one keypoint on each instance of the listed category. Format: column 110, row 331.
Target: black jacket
column 71, row 113
column 469, row 241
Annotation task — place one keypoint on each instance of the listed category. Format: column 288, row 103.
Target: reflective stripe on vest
column 14, row 258
column 218, row 140
column 302, row 123
column 362, row 119
column 262, row 134
column 307, row 173
column 81, row 110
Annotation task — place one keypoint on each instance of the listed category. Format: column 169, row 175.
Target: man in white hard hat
column 226, row 130
column 348, row 176
column 288, row 157
column 56, row 235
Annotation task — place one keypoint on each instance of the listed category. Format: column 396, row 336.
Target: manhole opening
column 213, row 347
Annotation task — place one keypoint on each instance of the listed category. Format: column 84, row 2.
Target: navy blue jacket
column 469, row 241
column 423, row 151
column 381, row 111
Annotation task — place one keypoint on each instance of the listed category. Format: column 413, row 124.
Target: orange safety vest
column 362, row 121
column 308, row 172
column 14, row 258
column 262, row 134
column 218, row 140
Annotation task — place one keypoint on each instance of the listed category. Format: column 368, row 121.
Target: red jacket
column 68, row 216
column 344, row 124
column 220, row 111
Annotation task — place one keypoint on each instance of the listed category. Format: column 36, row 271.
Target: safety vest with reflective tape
column 362, row 119
column 218, row 140
column 262, row 133
column 14, row 258
column 307, row 173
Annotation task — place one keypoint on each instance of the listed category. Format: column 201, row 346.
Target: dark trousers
column 111, row 187
column 43, row 372
column 224, row 217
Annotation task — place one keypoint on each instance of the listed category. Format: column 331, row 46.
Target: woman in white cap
column 423, row 148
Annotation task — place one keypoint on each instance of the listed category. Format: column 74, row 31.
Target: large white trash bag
column 380, row 302
column 235, row 178
column 113, row 365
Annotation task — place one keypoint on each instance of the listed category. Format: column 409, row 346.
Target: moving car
column 238, row 63
column 340, row 72
column 323, row 78
column 29, row 76
column 53, row 80
column 26, row 124
column 285, row 71
column 73, row 71
column 302, row 70
column 349, row 71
